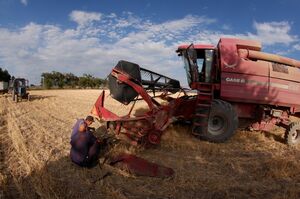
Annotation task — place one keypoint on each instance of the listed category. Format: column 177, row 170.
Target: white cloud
column 274, row 33
column 94, row 49
column 84, row 18
column 269, row 34
column 24, row 2
column 98, row 41
column 226, row 27
column 297, row 47
column 182, row 24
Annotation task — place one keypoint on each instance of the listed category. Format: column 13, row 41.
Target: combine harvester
column 233, row 80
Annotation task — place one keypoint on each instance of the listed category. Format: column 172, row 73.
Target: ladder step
column 204, row 96
column 200, row 124
column 205, row 89
column 201, row 115
column 204, row 105
column 205, row 84
column 204, row 100
column 204, row 93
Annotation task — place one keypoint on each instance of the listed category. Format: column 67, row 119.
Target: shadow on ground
column 39, row 97
column 243, row 167
column 212, row 173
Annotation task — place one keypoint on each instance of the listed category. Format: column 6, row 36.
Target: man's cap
column 90, row 118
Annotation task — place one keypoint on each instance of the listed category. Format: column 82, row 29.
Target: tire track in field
column 54, row 123
column 39, row 132
column 69, row 103
column 8, row 155
column 27, row 154
column 49, row 108
column 14, row 124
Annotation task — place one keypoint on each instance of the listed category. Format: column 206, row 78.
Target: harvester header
column 126, row 76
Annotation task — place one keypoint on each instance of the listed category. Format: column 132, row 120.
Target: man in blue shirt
column 85, row 146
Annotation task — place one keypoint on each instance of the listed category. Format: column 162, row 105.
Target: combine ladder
column 204, row 101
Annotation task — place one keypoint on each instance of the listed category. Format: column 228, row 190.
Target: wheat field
column 34, row 149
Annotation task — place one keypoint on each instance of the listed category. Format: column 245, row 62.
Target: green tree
column 58, row 79
column 47, row 81
column 61, row 80
column 4, row 75
column 88, row 81
column 85, row 81
column 71, row 80
column 53, row 79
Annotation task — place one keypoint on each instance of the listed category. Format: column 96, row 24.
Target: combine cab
column 232, row 80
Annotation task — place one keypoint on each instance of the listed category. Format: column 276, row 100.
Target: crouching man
column 85, row 146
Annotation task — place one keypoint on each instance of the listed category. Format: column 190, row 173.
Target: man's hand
column 91, row 129
column 99, row 141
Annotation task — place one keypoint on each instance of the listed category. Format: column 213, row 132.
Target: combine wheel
column 292, row 134
column 154, row 137
column 222, row 123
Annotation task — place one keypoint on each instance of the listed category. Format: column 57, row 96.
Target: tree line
column 69, row 80
column 4, row 75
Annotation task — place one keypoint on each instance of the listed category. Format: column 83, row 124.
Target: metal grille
column 158, row 82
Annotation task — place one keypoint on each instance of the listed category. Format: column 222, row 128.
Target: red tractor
column 233, row 80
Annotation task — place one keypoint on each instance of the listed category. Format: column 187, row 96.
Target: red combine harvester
column 233, row 80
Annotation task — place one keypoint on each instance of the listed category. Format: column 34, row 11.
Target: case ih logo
column 290, row 86
column 235, row 80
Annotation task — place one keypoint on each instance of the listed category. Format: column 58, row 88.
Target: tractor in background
column 18, row 89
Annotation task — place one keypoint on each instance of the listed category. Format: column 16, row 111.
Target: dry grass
column 34, row 149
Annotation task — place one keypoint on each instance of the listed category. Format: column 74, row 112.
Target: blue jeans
column 85, row 149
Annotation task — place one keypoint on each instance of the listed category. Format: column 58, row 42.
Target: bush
column 69, row 80
column 4, row 75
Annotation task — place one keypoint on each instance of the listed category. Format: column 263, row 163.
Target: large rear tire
column 292, row 134
column 222, row 123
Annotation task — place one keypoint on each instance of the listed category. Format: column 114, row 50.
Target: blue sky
column 90, row 36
